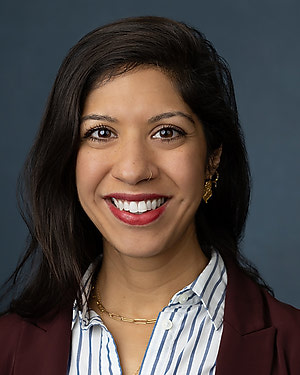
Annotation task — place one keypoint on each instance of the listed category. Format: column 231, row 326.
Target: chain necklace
column 118, row 317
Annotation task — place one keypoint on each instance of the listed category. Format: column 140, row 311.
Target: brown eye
column 100, row 133
column 168, row 133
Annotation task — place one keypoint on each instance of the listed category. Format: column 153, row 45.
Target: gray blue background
column 259, row 39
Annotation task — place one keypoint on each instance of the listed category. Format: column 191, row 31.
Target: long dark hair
column 63, row 241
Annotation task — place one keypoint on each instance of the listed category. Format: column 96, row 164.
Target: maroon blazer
column 261, row 336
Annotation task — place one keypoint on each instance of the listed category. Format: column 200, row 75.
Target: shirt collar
column 86, row 287
column 209, row 287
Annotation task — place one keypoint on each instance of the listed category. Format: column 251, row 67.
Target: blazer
column 261, row 336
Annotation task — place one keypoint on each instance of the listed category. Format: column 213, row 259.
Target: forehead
column 148, row 90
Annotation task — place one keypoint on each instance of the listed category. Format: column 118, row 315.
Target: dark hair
column 63, row 240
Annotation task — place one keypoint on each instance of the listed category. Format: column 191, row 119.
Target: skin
column 143, row 265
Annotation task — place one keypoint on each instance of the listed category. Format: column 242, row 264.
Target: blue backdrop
column 259, row 39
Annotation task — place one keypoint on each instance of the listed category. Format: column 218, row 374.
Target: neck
column 141, row 287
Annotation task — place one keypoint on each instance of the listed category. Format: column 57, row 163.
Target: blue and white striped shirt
column 185, row 338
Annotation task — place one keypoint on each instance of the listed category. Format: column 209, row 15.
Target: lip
column 136, row 219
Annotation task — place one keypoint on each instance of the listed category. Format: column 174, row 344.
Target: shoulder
column 286, row 321
column 279, row 309
column 11, row 326
column 25, row 341
column 11, row 329
column 251, row 312
column 250, row 306
column 285, row 318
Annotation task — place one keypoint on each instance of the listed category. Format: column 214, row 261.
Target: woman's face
column 141, row 164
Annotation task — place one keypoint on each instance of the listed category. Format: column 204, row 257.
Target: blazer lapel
column 247, row 343
column 245, row 354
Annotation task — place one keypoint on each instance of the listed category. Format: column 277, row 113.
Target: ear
column 213, row 162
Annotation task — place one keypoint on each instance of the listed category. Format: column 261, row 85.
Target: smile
column 137, row 209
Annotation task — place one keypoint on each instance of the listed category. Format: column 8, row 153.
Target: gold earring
column 208, row 187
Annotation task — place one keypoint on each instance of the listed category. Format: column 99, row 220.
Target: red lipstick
column 137, row 219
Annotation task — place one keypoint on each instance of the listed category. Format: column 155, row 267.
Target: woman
column 136, row 191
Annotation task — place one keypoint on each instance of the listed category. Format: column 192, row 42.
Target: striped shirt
column 185, row 338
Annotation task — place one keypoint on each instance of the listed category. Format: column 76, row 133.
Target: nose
column 133, row 162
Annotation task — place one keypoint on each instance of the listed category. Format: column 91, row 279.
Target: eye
column 169, row 133
column 100, row 133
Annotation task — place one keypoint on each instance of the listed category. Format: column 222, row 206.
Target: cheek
column 89, row 171
column 187, row 170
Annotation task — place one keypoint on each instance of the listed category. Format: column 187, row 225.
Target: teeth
column 149, row 206
column 120, row 205
column 138, row 207
column 142, row 206
column 133, row 207
column 154, row 204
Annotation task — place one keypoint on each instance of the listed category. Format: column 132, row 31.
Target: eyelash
column 89, row 133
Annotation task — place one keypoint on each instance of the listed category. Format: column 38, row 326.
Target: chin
column 133, row 248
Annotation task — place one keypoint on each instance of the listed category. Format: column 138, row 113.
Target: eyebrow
column 99, row 118
column 152, row 120
column 167, row 115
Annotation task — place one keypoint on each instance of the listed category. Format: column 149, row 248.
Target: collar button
column 183, row 298
column 167, row 324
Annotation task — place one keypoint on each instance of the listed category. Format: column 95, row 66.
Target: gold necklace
column 118, row 317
